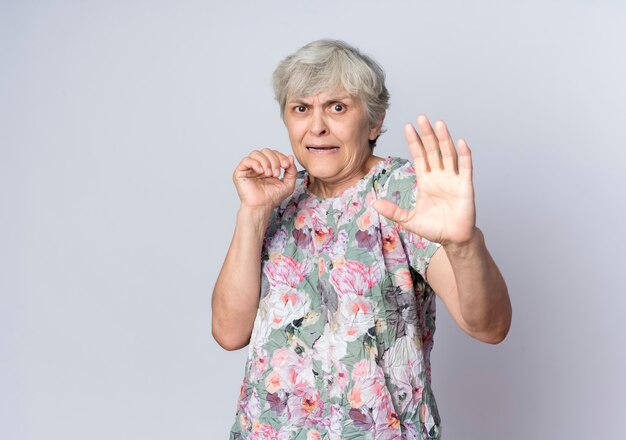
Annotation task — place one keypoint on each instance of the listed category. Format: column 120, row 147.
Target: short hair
column 325, row 65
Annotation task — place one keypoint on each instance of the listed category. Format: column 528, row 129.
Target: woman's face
column 330, row 134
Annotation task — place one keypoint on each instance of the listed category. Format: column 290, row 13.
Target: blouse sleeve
column 400, row 188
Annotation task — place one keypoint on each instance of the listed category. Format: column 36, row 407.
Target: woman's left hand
column 444, row 209
column 464, row 276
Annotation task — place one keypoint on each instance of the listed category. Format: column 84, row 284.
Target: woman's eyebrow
column 307, row 101
column 297, row 101
column 338, row 98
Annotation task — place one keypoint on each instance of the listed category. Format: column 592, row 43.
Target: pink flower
column 393, row 422
column 354, row 397
column 283, row 304
column 244, row 421
column 403, row 279
column 339, row 262
column 323, row 234
column 356, row 315
column 393, row 251
column 291, row 373
column 272, row 382
column 372, row 392
column 280, row 357
column 361, row 370
column 340, row 380
column 259, row 364
column 303, row 218
column 263, row 432
column 311, row 402
column 369, row 385
column 390, row 240
column 285, row 271
column 341, row 377
column 305, row 407
column 364, row 221
column 300, row 375
column 354, row 277
column 313, row 435
column 267, row 432
column 289, row 298
column 329, row 348
column 360, row 307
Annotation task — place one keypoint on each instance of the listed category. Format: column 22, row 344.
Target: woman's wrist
column 468, row 249
column 257, row 216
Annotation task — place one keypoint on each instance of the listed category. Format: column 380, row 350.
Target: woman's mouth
column 322, row 148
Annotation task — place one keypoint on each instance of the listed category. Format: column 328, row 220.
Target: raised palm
column 444, row 210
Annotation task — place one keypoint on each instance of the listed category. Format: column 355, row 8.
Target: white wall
column 121, row 122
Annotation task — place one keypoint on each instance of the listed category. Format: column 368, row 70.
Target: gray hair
column 326, row 65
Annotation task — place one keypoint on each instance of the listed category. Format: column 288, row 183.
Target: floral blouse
column 341, row 342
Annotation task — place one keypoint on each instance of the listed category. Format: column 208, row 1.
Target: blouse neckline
column 351, row 189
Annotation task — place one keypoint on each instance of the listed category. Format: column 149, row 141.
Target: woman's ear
column 376, row 129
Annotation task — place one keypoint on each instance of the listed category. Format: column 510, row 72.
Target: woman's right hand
column 237, row 290
column 258, row 182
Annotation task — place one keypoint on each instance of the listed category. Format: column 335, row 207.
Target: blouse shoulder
column 397, row 182
column 399, row 185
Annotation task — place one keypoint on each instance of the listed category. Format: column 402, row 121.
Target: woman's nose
column 318, row 124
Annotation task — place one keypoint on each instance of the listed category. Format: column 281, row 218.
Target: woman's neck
column 327, row 189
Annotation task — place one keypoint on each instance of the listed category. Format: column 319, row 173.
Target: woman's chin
column 324, row 174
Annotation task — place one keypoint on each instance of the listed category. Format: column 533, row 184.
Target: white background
column 121, row 123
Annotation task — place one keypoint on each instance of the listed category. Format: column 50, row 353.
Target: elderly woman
column 332, row 271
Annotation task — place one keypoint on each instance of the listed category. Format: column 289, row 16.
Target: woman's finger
column 264, row 161
column 430, row 142
column 392, row 211
column 249, row 167
column 420, row 162
column 291, row 173
column 465, row 160
column 274, row 161
column 446, row 145
column 284, row 159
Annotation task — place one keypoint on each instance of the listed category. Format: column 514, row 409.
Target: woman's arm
column 463, row 275
column 236, row 294
column 471, row 286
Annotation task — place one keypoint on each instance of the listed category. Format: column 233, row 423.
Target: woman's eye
column 300, row 108
column 338, row 108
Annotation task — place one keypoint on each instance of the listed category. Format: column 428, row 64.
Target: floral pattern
column 341, row 342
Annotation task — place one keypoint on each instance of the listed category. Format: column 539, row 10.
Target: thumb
column 392, row 211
